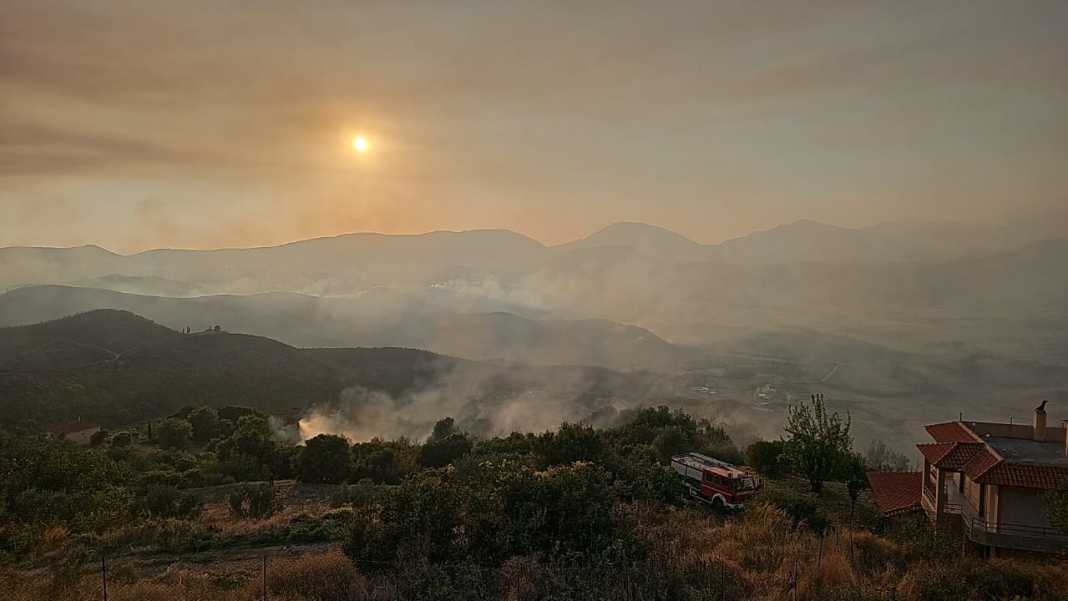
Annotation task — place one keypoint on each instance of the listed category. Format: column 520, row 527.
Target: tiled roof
column 961, row 454
column 980, row 464
column 957, row 447
column 895, row 493
column 949, row 455
column 933, row 452
column 1024, row 475
column 950, row 432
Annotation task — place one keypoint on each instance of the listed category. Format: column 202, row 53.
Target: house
column 895, row 493
column 991, row 479
column 995, row 477
column 78, row 431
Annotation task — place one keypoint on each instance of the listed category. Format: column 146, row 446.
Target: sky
column 153, row 123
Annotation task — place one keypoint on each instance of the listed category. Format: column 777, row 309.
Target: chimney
column 1040, row 423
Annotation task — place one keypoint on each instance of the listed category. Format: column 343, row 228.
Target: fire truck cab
column 715, row 482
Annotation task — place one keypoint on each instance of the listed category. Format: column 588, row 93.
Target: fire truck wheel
column 717, row 503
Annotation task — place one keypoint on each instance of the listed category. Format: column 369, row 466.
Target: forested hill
column 114, row 367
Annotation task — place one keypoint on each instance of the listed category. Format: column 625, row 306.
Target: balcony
column 952, row 500
column 1011, row 536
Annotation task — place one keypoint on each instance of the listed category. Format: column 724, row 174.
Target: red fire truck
column 715, row 482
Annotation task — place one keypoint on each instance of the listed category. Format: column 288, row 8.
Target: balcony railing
column 951, row 500
column 1011, row 535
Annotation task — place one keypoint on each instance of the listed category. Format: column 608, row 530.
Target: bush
column 486, row 514
column 570, row 443
column 766, row 457
column 254, row 501
column 174, row 433
column 205, row 423
column 163, row 501
column 325, row 460
column 439, row 453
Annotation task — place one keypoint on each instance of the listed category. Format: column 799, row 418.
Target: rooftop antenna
column 960, row 416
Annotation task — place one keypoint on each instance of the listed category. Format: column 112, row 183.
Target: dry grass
column 691, row 555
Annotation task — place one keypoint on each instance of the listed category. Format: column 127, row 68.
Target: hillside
column 438, row 321
column 116, row 367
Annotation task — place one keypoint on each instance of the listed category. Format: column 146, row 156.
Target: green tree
column 570, row 443
column 439, row 453
column 205, row 422
column 174, row 433
column 254, row 437
column 378, row 464
column 766, row 457
column 325, row 459
column 853, row 472
column 670, row 442
column 818, row 442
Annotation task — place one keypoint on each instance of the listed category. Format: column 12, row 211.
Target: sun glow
column 360, row 144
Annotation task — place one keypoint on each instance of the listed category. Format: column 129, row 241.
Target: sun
column 361, row 144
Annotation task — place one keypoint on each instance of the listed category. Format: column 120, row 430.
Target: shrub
column 325, row 459
column 766, row 457
column 174, row 433
column 670, row 442
column 167, row 501
column 439, row 453
column 205, row 423
column 255, row 501
column 570, row 443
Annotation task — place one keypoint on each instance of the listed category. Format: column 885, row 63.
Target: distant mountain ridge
column 441, row 290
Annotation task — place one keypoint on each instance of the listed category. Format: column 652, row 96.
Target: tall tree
column 818, row 442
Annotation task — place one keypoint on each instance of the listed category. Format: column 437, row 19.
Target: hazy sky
column 149, row 123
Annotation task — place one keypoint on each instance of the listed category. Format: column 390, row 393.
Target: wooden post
column 104, row 574
column 264, row 578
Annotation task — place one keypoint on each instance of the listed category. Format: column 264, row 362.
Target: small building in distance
column 77, row 431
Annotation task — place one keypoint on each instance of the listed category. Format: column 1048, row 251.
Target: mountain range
column 922, row 316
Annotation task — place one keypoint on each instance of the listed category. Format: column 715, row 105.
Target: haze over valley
column 894, row 322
